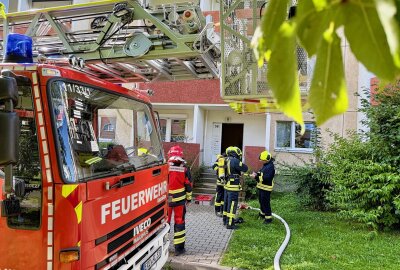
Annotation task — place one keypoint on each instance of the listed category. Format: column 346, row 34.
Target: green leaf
column 312, row 22
column 282, row 73
column 387, row 12
column 264, row 36
column 367, row 37
column 328, row 93
column 313, row 18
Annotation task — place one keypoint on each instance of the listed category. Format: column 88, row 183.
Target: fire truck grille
column 130, row 234
column 110, row 235
column 126, row 247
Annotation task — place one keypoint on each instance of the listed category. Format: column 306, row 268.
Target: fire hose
column 284, row 243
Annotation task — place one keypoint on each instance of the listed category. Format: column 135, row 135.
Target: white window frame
column 169, row 118
column 109, row 129
column 291, row 149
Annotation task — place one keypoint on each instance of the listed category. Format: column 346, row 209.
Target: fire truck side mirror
column 9, row 122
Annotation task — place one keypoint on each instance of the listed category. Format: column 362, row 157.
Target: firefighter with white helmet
column 265, row 184
column 234, row 168
column 179, row 194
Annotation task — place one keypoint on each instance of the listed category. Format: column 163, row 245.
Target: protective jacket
column 180, row 185
column 220, row 167
column 265, row 176
column 234, row 167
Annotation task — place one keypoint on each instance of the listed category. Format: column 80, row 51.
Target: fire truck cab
column 73, row 196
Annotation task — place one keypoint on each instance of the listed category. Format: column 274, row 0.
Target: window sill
column 295, row 150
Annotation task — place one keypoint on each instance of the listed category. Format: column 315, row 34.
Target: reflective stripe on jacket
column 234, row 168
column 265, row 176
column 180, row 187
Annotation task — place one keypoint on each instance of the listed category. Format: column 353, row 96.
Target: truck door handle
column 121, row 183
column 127, row 181
column 156, row 172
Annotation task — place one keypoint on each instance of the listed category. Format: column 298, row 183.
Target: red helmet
column 175, row 151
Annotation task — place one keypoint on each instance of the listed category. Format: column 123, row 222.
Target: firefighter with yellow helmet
column 220, row 167
column 265, row 184
column 234, row 168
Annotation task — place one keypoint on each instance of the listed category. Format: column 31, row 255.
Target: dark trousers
column 219, row 199
column 230, row 207
column 264, row 198
column 179, row 225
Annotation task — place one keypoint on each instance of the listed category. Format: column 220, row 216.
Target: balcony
column 243, row 84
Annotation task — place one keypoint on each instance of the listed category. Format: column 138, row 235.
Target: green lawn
column 319, row 241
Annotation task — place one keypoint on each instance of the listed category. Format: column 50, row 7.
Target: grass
column 319, row 241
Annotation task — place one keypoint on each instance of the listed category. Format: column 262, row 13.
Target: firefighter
column 265, row 184
column 234, row 167
column 219, row 166
column 179, row 194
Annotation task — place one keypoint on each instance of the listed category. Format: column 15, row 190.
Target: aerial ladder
column 125, row 41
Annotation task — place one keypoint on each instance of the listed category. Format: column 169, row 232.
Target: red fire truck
column 76, row 199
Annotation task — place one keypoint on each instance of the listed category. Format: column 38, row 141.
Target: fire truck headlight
column 165, row 238
column 69, row 255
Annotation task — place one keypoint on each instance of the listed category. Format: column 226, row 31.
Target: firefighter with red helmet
column 179, row 194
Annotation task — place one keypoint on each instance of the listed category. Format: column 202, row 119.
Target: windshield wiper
column 111, row 172
column 126, row 167
column 157, row 162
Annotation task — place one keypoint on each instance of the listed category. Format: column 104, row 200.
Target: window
column 82, row 115
column 163, row 129
column 28, row 169
column 288, row 136
column 178, row 130
column 107, row 132
column 173, row 130
column 108, row 127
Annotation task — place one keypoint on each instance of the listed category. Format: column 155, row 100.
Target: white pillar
column 196, row 122
column 205, row 5
column 23, row 5
column 82, row 25
column 267, row 130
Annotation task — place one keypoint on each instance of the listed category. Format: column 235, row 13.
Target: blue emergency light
column 19, row 49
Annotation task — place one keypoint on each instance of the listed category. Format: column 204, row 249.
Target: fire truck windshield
column 99, row 133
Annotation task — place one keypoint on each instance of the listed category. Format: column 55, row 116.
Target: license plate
column 152, row 260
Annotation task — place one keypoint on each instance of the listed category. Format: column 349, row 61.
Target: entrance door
column 216, row 141
column 232, row 135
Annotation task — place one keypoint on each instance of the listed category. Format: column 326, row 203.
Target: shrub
column 311, row 179
column 362, row 188
column 196, row 172
column 312, row 184
column 249, row 187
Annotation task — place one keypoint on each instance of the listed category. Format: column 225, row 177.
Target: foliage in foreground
column 372, row 28
column 319, row 241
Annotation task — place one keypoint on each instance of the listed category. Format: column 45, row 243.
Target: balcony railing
column 243, row 83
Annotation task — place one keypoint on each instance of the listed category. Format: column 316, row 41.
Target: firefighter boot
column 180, row 251
column 267, row 221
column 232, row 227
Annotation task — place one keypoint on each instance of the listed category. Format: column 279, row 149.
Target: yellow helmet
column 265, row 156
column 142, row 152
column 233, row 150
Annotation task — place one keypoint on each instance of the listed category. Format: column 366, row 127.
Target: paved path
column 206, row 240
